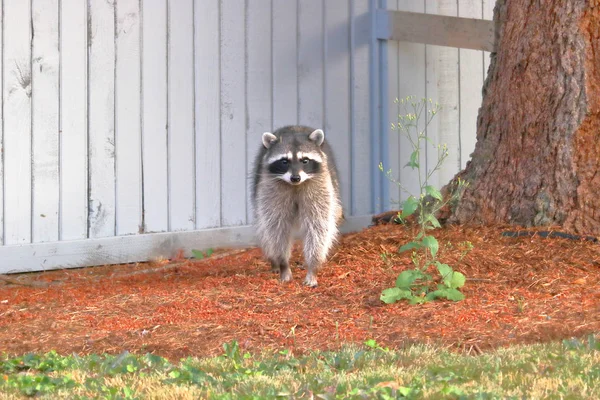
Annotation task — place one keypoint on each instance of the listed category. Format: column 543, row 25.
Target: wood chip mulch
column 519, row 290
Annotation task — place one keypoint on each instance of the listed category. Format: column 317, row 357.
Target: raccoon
column 296, row 188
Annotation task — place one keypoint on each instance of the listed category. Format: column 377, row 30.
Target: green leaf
column 410, row 246
column 432, row 244
column 454, row 295
column 452, row 279
column 433, row 192
column 458, row 280
column 447, row 293
column 433, row 221
column 445, row 271
column 409, row 207
column 198, row 254
column 392, row 295
column 418, row 300
column 408, row 277
column 433, row 295
column 414, row 160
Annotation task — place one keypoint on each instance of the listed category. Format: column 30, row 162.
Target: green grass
column 570, row 369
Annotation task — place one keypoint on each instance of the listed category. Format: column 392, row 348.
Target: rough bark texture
column 537, row 157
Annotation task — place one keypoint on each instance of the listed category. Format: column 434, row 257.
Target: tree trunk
column 537, row 157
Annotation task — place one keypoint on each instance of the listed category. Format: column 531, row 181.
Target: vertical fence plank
column 258, row 83
column 127, row 119
column 181, row 115
column 337, row 91
column 154, row 115
column 208, row 126
column 393, row 92
column 233, row 113
column 362, row 165
column 285, row 67
column 45, row 142
column 2, row 141
column 448, row 91
column 73, row 121
column 17, row 121
column 101, row 118
column 432, row 54
column 310, row 63
column 442, row 76
column 411, row 82
column 471, row 81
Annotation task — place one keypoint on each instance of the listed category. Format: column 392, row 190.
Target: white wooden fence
column 451, row 76
column 129, row 126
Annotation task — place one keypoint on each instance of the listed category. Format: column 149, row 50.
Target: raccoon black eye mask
column 280, row 166
column 295, row 169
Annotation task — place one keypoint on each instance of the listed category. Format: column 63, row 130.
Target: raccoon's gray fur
column 296, row 187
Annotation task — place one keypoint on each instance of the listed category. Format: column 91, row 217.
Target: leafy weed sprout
column 417, row 285
column 200, row 255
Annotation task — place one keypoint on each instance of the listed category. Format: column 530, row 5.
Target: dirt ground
column 518, row 290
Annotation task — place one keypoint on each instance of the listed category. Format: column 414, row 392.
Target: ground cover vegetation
column 567, row 369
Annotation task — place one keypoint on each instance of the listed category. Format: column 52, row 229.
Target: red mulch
column 519, row 290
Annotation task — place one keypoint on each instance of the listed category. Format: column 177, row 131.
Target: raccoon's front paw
column 310, row 280
column 285, row 276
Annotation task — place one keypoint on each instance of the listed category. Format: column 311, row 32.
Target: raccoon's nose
column 295, row 178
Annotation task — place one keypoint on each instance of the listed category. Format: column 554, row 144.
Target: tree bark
column 537, row 157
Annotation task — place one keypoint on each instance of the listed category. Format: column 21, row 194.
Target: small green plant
column 386, row 257
column 199, row 254
column 417, row 285
column 373, row 345
column 233, row 353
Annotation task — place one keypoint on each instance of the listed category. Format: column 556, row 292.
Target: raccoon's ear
column 317, row 136
column 268, row 139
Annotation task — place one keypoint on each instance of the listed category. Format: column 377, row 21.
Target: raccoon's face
column 291, row 160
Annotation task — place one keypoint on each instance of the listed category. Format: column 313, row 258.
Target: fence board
column 45, row 124
column 448, row 92
column 2, row 142
column 310, row 63
column 362, row 164
column 431, row 91
column 182, row 189
column 471, row 81
column 285, row 66
column 258, row 83
column 442, row 86
column 154, row 115
column 233, row 113
column 393, row 92
column 128, row 119
column 207, row 105
column 412, row 78
column 438, row 30
column 337, row 91
column 131, row 248
column 101, row 125
column 17, row 122
column 73, row 121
